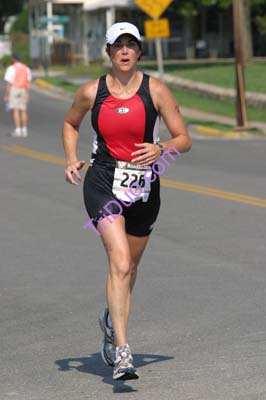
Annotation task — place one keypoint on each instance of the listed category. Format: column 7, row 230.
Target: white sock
column 18, row 130
column 24, row 130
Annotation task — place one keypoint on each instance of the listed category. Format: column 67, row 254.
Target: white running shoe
column 24, row 132
column 124, row 369
column 16, row 133
column 108, row 343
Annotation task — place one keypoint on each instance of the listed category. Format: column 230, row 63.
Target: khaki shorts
column 18, row 98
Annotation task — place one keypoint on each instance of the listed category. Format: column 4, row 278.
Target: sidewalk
column 187, row 112
column 212, row 91
column 205, row 131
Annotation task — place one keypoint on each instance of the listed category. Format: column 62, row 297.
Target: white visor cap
column 121, row 28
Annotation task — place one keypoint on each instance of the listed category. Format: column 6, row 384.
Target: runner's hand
column 147, row 154
column 72, row 169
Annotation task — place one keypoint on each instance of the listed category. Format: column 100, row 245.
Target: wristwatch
column 161, row 148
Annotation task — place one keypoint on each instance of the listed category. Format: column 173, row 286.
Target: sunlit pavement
column 197, row 328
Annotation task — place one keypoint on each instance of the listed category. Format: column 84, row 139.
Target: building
column 74, row 30
column 55, row 29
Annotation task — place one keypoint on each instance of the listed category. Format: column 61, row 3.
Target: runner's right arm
column 83, row 102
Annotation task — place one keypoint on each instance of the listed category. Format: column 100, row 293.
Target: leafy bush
column 261, row 24
column 5, row 61
column 20, row 45
column 21, row 24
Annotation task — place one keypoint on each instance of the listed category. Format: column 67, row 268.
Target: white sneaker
column 16, row 133
column 124, row 368
column 108, row 343
column 24, row 132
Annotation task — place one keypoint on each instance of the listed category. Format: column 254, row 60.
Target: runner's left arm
column 167, row 107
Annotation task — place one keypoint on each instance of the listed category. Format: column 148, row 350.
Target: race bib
column 131, row 181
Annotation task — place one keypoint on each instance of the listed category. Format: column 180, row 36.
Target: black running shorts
column 97, row 190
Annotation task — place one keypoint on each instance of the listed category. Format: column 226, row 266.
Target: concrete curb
column 42, row 86
column 231, row 122
column 205, row 131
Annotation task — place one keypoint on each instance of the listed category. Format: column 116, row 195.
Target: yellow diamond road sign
column 154, row 8
column 156, row 28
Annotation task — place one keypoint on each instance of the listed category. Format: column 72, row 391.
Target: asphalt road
column 198, row 323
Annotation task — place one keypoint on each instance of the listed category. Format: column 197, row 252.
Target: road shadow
column 93, row 364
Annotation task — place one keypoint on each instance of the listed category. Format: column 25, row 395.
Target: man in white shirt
column 17, row 79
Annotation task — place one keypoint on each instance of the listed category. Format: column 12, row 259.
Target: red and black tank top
column 120, row 123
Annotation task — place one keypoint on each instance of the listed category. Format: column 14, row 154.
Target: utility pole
column 159, row 55
column 239, row 66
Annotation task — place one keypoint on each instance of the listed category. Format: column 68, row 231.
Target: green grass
column 62, row 84
column 93, row 70
column 209, row 124
column 220, row 74
column 220, row 107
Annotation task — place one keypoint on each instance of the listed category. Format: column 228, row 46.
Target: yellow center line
column 34, row 154
column 205, row 190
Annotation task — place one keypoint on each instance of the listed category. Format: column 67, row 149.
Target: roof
column 96, row 4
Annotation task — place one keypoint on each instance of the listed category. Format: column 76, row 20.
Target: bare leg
column 24, row 118
column 118, row 282
column 137, row 246
column 16, row 118
column 124, row 252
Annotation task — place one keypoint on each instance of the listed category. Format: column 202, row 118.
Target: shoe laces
column 124, row 357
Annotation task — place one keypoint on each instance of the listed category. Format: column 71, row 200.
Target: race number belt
column 129, row 181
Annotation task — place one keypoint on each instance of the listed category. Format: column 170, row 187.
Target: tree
column 261, row 24
column 259, row 16
column 8, row 8
column 190, row 8
column 21, row 23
